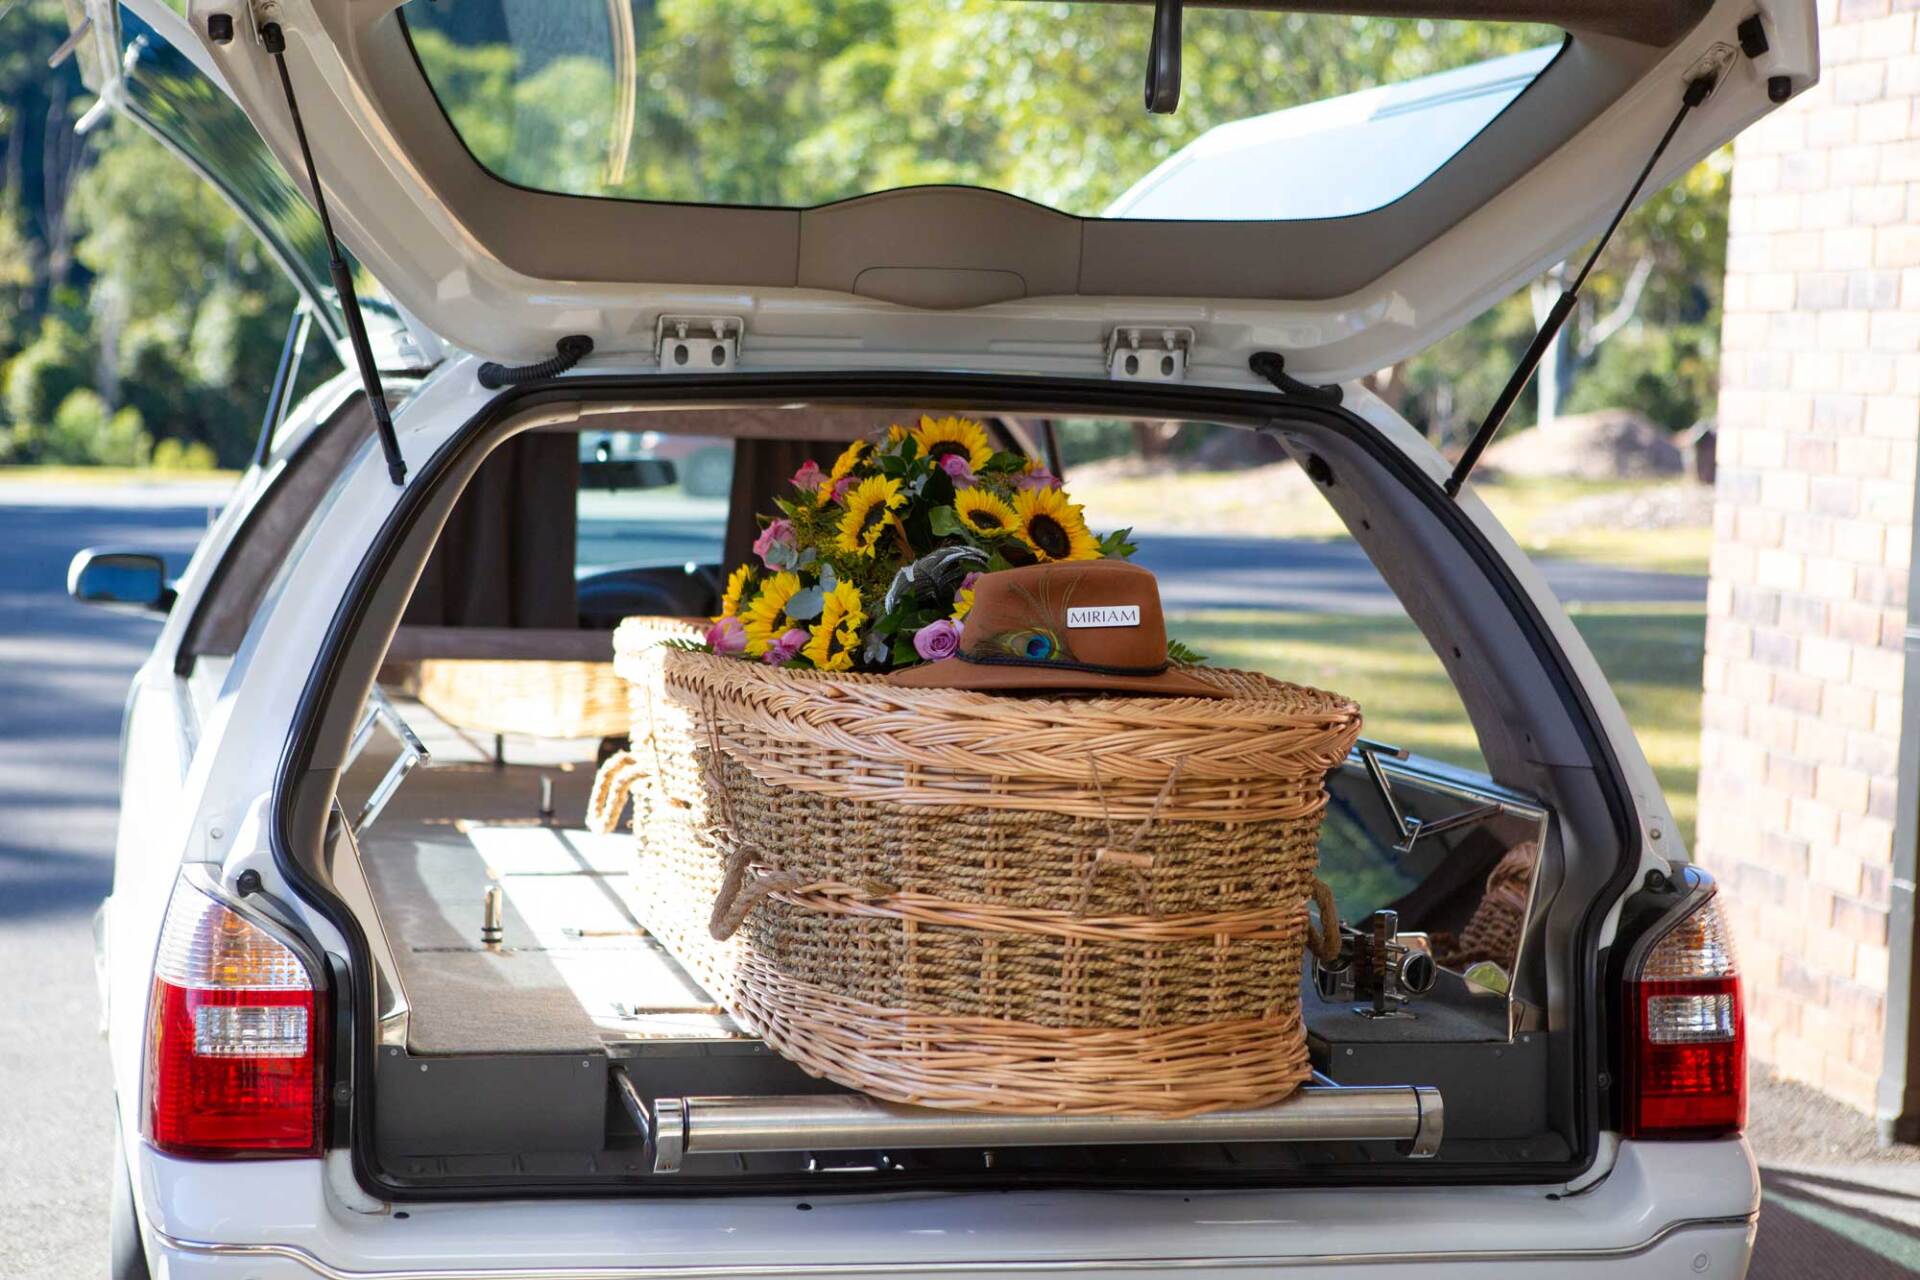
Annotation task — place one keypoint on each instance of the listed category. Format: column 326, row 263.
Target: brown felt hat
column 1090, row 625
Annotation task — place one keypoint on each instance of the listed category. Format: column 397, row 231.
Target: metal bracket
column 698, row 344
column 413, row 752
column 1413, row 830
column 1144, row 353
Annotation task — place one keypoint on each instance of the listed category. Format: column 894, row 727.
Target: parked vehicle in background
column 333, row 781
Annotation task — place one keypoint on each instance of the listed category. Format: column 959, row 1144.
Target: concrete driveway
column 63, row 676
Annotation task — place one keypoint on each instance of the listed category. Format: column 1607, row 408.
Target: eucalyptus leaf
column 828, row 579
column 877, row 648
column 806, row 604
column 781, row 555
column 807, row 557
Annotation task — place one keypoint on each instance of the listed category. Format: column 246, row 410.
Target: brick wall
column 1819, row 413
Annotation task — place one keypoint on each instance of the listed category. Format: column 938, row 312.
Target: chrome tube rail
column 1411, row 1116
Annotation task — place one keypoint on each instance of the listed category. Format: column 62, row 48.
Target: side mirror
column 132, row 579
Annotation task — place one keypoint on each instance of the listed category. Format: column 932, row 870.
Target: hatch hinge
column 698, row 344
column 1148, row 353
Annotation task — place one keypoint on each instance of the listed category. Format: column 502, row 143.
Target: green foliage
column 85, row 432
column 174, row 455
column 57, row 363
column 1669, row 374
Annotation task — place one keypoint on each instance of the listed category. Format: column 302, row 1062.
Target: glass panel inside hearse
column 512, row 949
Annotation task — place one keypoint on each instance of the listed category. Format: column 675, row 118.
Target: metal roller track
column 1406, row 1114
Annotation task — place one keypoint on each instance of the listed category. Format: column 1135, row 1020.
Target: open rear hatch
column 512, row 172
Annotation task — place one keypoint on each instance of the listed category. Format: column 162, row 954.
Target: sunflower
column 938, row 437
column 737, row 584
column 850, row 457
column 896, row 433
column 836, row 636
column 985, row 512
column 1053, row 527
column 870, row 506
column 962, row 604
column 764, row 619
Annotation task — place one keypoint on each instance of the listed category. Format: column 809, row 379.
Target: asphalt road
column 63, row 678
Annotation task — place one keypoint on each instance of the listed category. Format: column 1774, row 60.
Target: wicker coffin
column 1089, row 906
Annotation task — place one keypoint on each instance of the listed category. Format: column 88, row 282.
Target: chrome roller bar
column 1407, row 1114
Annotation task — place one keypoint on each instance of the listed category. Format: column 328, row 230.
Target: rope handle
column 613, row 786
column 1323, row 939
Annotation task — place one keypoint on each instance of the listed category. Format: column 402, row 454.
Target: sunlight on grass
column 1651, row 654
column 1278, row 502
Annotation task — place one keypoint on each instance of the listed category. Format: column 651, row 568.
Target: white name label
column 1106, row 615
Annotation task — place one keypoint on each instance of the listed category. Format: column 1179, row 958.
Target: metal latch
column 1412, row 830
column 697, row 344
column 1148, row 353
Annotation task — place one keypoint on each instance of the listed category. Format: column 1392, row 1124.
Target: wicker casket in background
column 953, row 899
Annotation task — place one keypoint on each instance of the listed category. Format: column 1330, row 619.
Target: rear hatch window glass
column 778, row 103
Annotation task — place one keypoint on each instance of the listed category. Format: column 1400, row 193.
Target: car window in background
column 649, row 499
column 759, row 102
column 165, row 91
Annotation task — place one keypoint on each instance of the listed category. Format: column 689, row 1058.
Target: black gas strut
column 275, row 41
column 1697, row 92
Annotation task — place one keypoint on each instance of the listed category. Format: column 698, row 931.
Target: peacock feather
column 1027, row 644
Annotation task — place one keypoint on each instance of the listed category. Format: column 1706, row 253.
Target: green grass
column 1279, row 503
column 1650, row 653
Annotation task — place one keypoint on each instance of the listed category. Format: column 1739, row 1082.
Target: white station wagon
column 376, row 1002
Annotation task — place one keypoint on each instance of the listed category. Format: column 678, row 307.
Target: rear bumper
column 1683, row 1209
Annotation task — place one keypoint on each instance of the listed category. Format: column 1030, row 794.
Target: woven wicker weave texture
column 935, row 907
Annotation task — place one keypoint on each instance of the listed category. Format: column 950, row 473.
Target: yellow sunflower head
column 835, row 638
column 985, row 513
column 938, row 437
column 869, row 508
column 849, row 458
column 962, row 604
column 737, row 584
column 1052, row 527
column 765, row 618
column 896, row 433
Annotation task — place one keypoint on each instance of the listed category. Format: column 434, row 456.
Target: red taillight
column 1685, row 1037
column 234, row 1036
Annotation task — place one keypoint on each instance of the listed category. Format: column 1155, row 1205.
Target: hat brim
column 984, row 677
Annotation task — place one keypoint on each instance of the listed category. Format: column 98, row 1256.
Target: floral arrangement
column 870, row 565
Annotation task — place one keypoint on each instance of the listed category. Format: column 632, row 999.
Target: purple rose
column 957, row 467
column 728, row 635
column 1039, row 478
column 779, row 533
column 841, row 486
column 966, row 583
column 937, row 640
column 785, row 647
column 809, row 476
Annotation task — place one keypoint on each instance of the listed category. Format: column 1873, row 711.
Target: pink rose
column 809, row 476
column 1039, row 478
column 841, row 486
column 957, row 467
column 728, row 635
column 785, row 647
column 779, row 533
column 937, row 640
